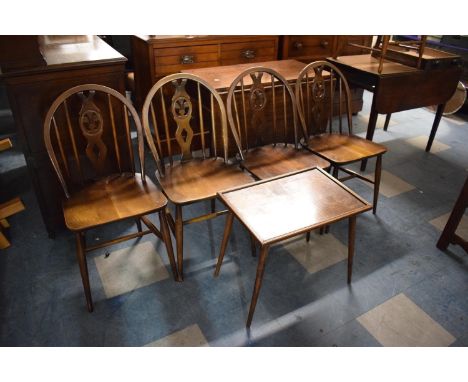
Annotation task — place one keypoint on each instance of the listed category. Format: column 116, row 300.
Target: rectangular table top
column 221, row 77
column 370, row 64
column 291, row 204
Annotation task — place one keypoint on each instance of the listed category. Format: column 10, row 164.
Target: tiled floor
column 405, row 292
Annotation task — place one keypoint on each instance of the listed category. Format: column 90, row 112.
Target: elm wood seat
column 343, row 149
column 186, row 178
column 270, row 161
column 319, row 92
column 88, row 139
column 110, row 200
column 199, row 179
column 265, row 125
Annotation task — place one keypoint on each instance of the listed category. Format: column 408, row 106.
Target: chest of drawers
column 158, row 56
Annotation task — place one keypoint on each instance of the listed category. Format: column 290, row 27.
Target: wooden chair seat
column 112, row 199
column 199, row 179
column 269, row 161
column 342, row 149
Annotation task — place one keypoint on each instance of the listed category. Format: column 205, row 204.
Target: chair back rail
column 261, row 109
column 87, row 135
column 182, row 112
column 319, row 93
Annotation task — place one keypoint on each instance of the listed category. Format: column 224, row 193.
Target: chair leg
column 213, row 205
column 224, row 243
column 258, row 283
column 138, row 224
column 351, row 236
column 377, row 176
column 179, row 235
column 308, row 236
column 253, row 247
column 168, row 242
column 81, row 256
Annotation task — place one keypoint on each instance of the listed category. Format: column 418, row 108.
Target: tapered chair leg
column 81, row 256
column 179, row 236
column 138, row 224
column 351, row 237
column 253, row 247
column 224, row 243
column 168, row 242
column 308, row 236
column 258, row 283
column 387, row 121
column 377, row 176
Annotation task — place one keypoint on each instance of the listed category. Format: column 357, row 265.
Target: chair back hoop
column 182, row 110
column 92, row 128
column 257, row 102
column 312, row 106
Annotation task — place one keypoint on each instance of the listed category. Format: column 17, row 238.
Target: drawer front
column 173, row 60
column 348, row 50
column 315, row 47
column 249, row 51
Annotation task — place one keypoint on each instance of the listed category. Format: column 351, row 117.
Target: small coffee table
column 279, row 208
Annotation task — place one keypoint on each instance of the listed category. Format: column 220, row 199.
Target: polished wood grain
column 279, row 208
column 199, row 179
column 97, row 190
column 318, row 87
column 112, row 199
column 342, row 149
column 270, row 161
column 188, row 175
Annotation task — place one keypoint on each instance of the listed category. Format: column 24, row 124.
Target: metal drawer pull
column 248, row 54
column 186, row 59
column 324, row 44
column 298, row 45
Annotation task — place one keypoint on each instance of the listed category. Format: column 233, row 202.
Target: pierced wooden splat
column 181, row 108
column 92, row 126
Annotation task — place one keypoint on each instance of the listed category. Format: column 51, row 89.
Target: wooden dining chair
column 185, row 123
column 262, row 114
column 88, row 139
column 323, row 96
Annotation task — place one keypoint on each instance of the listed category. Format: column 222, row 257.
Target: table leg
column 387, row 121
column 351, row 237
column 454, row 220
column 435, row 125
column 258, row 282
column 224, row 243
column 371, row 127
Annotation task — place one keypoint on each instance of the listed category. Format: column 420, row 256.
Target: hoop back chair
column 88, row 139
column 262, row 114
column 323, row 97
column 184, row 135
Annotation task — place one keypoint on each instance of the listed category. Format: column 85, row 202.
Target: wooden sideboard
column 157, row 56
column 68, row 61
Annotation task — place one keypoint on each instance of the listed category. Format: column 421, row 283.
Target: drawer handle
column 249, row 53
column 298, row 45
column 324, row 44
column 186, row 59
